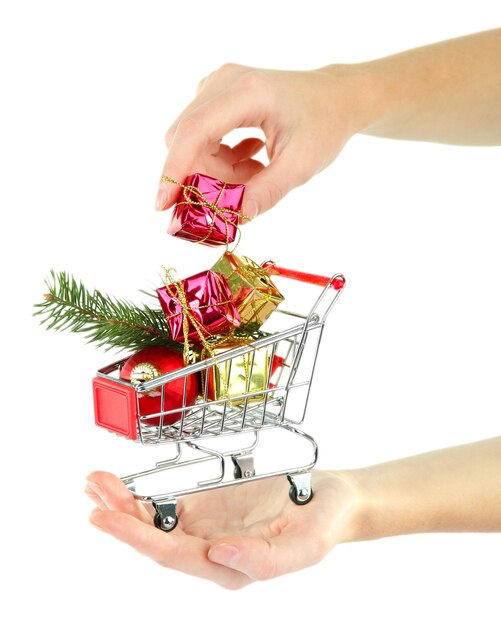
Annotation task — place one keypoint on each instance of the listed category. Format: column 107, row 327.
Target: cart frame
column 280, row 403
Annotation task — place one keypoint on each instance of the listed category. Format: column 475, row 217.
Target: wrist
column 364, row 88
column 356, row 516
column 372, row 510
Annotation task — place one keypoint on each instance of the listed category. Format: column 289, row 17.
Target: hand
column 234, row 535
column 306, row 117
column 443, row 92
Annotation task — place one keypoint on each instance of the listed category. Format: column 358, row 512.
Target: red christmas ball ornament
column 150, row 363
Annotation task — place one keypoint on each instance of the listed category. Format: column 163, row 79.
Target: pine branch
column 105, row 320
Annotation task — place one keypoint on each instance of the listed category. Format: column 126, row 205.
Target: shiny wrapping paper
column 210, row 306
column 195, row 222
column 254, row 294
column 244, row 375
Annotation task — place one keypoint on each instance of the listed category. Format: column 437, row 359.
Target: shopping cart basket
column 280, row 402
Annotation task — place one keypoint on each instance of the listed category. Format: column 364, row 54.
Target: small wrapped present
column 198, row 307
column 208, row 212
column 247, row 373
column 254, row 294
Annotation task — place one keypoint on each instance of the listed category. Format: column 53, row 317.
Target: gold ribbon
column 213, row 206
column 229, row 338
column 252, row 272
column 187, row 313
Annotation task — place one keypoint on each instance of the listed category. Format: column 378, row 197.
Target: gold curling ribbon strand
column 251, row 271
column 213, row 206
column 239, row 341
column 187, row 313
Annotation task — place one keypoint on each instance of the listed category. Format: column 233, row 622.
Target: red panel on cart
column 115, row 407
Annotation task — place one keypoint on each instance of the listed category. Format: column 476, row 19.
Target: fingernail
column 250, row 208
column 92, row 521
column 94, row 488
column 224, row 554
column 162, row 197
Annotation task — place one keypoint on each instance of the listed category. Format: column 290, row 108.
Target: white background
column 410, row 360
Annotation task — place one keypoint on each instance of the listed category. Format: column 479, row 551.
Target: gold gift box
column 254, row 294
column 244, row 374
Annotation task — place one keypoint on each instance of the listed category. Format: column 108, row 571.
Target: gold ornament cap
column 142, row 372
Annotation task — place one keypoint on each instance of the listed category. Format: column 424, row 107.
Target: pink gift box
column 210, row 300
column 195, row 222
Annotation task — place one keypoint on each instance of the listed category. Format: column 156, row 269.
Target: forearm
column 455, row 490
column 447, row 92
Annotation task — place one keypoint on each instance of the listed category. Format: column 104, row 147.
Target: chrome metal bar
column 311, row 374
column 221, row 358
column 292, row 314
column 248, row 412
column 215, row 454
column 289, row 470
column 164, row 467
column 268, row 377
column 170, row 461
column 247, row 388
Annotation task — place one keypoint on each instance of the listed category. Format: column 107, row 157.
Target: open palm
column 234, row 535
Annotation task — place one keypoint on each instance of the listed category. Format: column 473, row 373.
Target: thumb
column 110, row 493
column 177, row 168
column 258, row 558
column 271, row 184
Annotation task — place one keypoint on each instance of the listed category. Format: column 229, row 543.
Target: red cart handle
column 336, row 283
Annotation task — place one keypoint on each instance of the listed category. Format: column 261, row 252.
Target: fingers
column 215, row 83
column 242, row 151
column 229, row 164
column 196, row 131
column 262, row 559
column 246, row 149
column 236, row 163
column 245, row 170
column 269, row 185
column 295, row 111
column 126, row 519
column 174, row 550
column 110, row 493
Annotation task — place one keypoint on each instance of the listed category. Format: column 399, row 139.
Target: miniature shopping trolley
column 196, row 430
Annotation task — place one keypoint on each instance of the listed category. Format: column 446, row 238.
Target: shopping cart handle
column 336, row 283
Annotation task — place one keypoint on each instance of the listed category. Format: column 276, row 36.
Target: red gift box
column 206, row 301
column 208, row 212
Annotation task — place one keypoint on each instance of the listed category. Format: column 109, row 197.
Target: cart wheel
column 167, row 523
column 300, row 498
column 243, row 466
column 165, row 515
